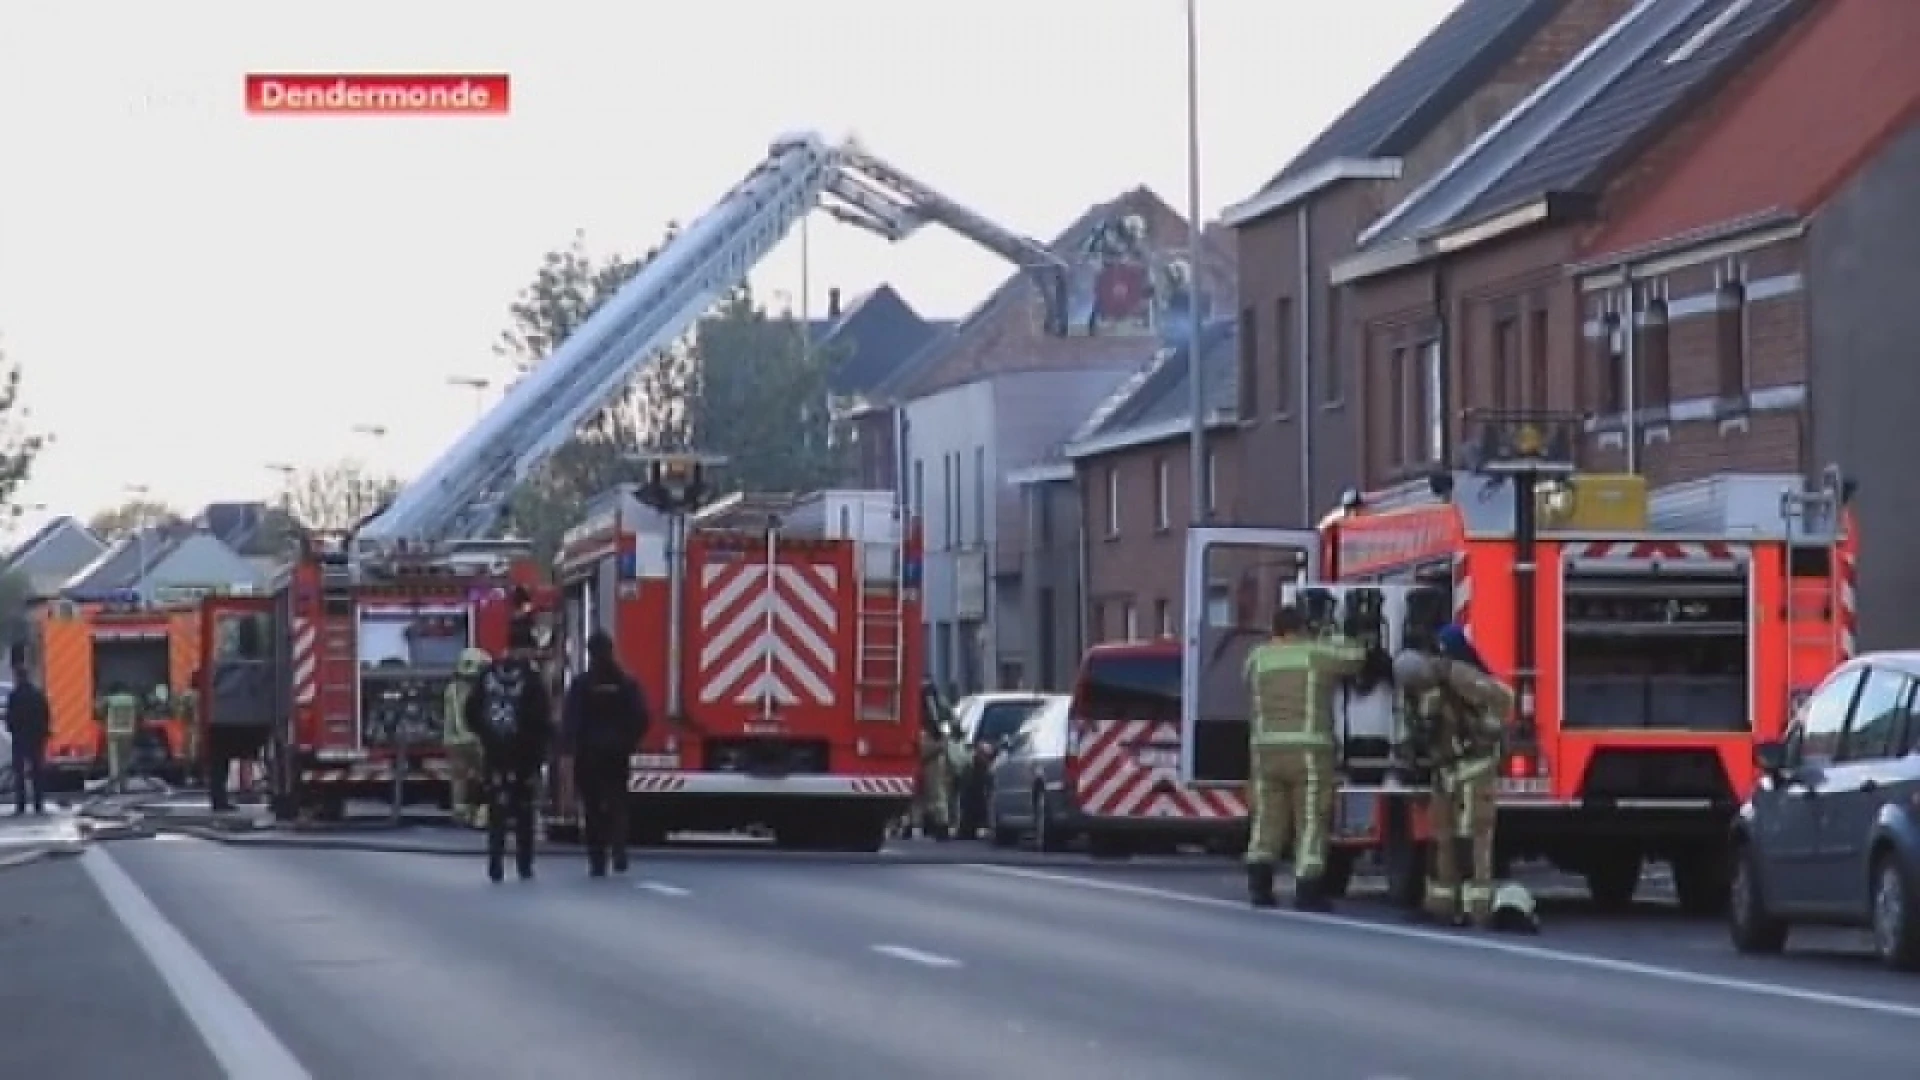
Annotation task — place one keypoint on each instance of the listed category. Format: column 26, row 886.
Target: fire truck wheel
column 1337, row 878
column 1612, row 879
column 1701, row 881
column 1046, row 831
column 330, row 808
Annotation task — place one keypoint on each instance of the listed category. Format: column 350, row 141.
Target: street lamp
column 142, row 493
column 1197, row 466
column 476, row 384
column 287, row 473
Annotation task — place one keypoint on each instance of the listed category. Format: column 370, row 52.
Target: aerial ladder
column 462, row 497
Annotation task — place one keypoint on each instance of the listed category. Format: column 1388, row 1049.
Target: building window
column 1284, row 375
column 919, row 489
column 1736, row 373
column 1249, row 364
column 1655, row 360
column 1332, row 379
column 1042, row 495
column 1162, row 498
column 1537, row 359
column 1213, row 481
column 980, row 496
column 949, row 517
column 1219, row 605
column 1163, row 617
column 1613, row 366
column 1113, row 501
column 1506, row 364
column 1097, row 622
column 1129, row 622
column 1397, row 411
column 1433, row 398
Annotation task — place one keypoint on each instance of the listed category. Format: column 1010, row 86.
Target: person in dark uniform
column 601, row 724
column 29, row 721
column 512, row 715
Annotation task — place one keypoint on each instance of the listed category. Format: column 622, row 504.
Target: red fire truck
column 776, row 638
column 1652, row 638
column 337, row 680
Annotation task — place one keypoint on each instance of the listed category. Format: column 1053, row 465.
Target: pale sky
column 194, row 293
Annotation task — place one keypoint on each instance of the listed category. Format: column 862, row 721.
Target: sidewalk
column 30, row 838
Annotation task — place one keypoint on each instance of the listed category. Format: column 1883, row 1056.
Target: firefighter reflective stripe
column 1295, row 739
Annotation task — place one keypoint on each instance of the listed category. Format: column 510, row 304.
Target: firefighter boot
column 1260, row 885
column 1310, row 894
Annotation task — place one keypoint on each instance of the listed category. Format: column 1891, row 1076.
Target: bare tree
column 20, row 443
column 338, row 495
column 118, row 521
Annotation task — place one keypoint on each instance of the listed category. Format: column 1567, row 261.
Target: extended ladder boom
column 462, row 495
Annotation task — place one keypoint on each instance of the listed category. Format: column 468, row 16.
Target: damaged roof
column 1149, row 406
column 1555, row 151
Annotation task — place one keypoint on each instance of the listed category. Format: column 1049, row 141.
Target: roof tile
column 1845, row 83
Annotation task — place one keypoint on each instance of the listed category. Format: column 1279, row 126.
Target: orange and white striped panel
column 1131, row 768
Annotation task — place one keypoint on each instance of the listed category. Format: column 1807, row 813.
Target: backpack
column 504, row 687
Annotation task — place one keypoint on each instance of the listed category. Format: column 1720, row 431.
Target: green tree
column 338, row 495
column 20, row 444
column 118, row 521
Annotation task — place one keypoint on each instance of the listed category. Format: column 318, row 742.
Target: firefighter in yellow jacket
column 1462, row 711
column 120, row 715
column 935, row 788
column 1291, row 679
column 463, row 748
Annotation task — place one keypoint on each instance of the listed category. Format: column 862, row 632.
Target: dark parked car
column 1026, row 791
column 1831, row 835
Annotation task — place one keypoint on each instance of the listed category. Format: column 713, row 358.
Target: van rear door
column 1123, row 750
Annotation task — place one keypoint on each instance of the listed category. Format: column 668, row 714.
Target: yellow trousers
column 1460, row 812
column 1293, row 792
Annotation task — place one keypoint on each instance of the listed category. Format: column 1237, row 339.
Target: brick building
column 1298, row 406
column 1458, row 297
column 1754, row 309
column 997, row 395
column 1132, row 468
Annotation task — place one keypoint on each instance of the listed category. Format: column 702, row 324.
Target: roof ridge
column 1529, row 109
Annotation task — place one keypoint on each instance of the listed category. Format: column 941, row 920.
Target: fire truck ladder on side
column 1815, row 521
column 880, row 627
column 462, row 496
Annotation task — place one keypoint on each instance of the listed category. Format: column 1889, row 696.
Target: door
column 235, row 684
column 1233, row 580
column 1787, row 809
column 1864, row 777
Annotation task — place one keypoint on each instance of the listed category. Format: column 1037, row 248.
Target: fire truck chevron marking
column 1632, row 551
column 1114, row 781
column 305, row 687
column 738, row 640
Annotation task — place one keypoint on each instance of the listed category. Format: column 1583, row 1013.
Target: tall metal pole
column 1197, row 466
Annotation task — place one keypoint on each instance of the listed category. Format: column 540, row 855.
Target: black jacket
column 605, row 712
column 29, row 719
column 511, row 714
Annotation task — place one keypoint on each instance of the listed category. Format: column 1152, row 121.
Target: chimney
column 833, row 303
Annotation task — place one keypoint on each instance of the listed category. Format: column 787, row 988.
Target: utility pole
column 1196, row 368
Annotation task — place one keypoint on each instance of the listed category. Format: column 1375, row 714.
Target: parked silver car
column 1027, row 794
column 1831, row 834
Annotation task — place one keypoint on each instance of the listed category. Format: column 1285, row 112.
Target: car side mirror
column 1771, row 757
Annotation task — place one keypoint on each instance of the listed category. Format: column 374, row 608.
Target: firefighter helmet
column 472, row 662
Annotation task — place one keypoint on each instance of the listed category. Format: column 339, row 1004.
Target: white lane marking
column 663, row 889
column 1753, row 987
column 916, row 956
column 238, row 1038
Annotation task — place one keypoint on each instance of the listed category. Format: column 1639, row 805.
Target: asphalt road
column 363, row 966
